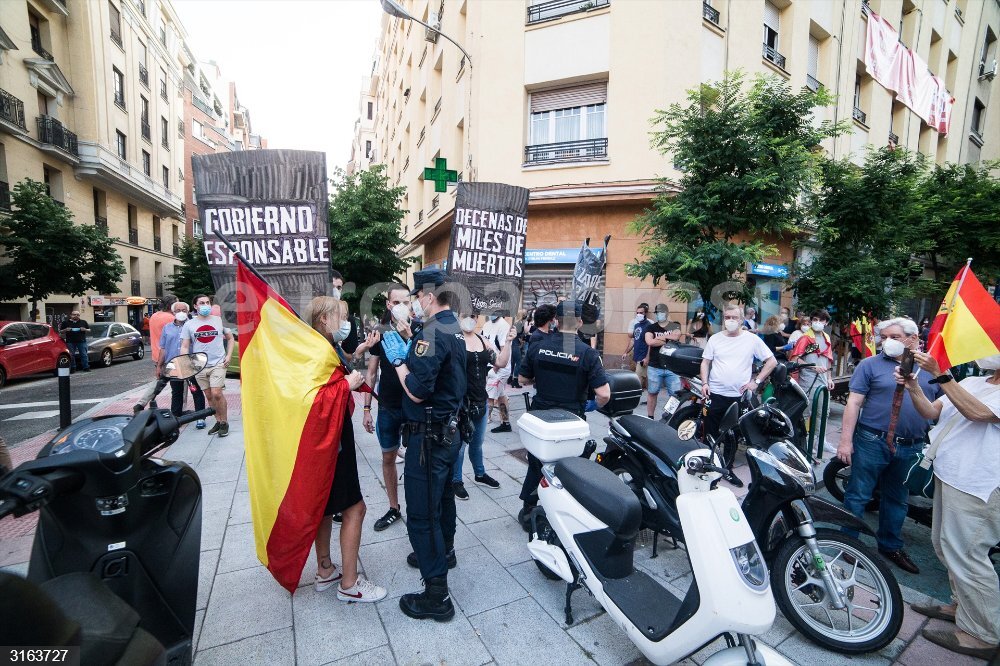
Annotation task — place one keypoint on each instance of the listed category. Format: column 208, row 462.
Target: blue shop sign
column 563, row 255
column 769, row 270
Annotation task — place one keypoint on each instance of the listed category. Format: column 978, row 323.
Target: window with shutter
column 771, row 26
column 813, row 57
column 568, row 124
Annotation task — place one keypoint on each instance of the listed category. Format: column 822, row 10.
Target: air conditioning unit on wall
column 432, row 35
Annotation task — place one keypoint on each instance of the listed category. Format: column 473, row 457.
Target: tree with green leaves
column 746, row 154
column 46, row 253
column 867, row 240
column 365, row 234
column 193, row 276
column 961, row 211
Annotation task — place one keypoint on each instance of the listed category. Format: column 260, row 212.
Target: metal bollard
column 65, row 411
column 817, row 423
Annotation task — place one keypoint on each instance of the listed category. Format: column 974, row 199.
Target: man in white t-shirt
column 966, row 502
column 495, row 330
column 727, row 366
column 205, row 332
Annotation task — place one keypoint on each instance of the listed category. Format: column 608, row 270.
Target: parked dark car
column 109, row 340
column 27, row 348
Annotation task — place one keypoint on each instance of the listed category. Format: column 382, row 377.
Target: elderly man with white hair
column 874, row 461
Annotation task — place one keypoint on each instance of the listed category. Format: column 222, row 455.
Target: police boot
column 434, row 602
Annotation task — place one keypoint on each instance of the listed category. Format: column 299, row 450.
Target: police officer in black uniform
column 431, row 368
column 563, row 369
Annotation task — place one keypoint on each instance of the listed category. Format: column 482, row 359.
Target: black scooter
column 830, row 586
column 114, row 564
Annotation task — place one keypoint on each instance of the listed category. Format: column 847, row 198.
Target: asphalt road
column 30, row 406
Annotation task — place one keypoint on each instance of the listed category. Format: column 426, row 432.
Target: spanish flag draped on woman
column 294, row 403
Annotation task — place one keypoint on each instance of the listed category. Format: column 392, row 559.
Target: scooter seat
column 659, row 438
column 602, row 494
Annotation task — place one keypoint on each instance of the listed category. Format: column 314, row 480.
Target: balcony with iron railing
column 146, row 132
column 434, row 202
column 177, row 249
column 36, row 46
column 52, row 132
column 860, row 116
column 144, row 75
column 116, row 34
column 133, row 236
column 710, row 13
column 893, row 138
column 157, row 243
column 420, row 138
column 136, row 288
column 4, row 195
column 12, row 110
column 977, row 135
column 420, row 218
column 163, row 91
column 772, row 56
column 120, row 100
column 101, row 223
column 164, row 142
column 437, row 110
column 159, row 289
column 547, row 11
column 813, row 83
column 566, row 151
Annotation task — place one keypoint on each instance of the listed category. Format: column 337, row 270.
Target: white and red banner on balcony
column 905, row 73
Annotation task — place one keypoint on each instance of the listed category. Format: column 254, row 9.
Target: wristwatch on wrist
column 941, row 379
column 398, row 362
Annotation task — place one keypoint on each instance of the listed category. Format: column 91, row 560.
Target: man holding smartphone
column 76, row 330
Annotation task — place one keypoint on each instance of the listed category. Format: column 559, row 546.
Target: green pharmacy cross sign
column 441, row 175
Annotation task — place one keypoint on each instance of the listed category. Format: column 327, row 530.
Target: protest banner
column 272, row 206
column 588, row 272
column 486, row 254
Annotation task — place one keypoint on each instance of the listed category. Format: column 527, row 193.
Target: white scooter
column 584, row 529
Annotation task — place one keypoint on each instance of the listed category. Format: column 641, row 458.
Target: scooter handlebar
column 195, row 416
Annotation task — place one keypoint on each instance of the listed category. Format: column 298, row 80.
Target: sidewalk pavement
column 506, row 612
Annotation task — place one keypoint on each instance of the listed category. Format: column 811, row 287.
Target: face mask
column 731, row 325
column 401, row 312
column 805, row 328
column 783, row 317
column 204, row 310
column 639, row 317
column 818, row 326
column 336, row 293
column 468, row 324
column 181, row 316
column 661, row 316
column 989, row 363
column 893, row 348
column 418, row 309
column 700, row 315
column 343, row 331
column 493, row 318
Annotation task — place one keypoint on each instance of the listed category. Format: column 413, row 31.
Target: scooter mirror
column 185, row 367
column 731, row 418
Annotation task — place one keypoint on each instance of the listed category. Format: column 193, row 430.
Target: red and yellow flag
column 294, row 401
column 967, row 325
column 863, row 336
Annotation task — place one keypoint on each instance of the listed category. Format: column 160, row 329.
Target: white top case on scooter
column 553, row 434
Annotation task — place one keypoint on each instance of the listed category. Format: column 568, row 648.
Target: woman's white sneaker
column 323, row 584
column 364, row 591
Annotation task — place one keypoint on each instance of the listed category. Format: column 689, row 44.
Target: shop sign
column 99, row 301
column 135, row 300
column 564, row 255
column 769, row 270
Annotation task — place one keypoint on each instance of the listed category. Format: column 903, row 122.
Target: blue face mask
column 204, row 310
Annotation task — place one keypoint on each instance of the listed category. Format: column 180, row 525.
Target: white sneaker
column 364, row 591
column 323, row 584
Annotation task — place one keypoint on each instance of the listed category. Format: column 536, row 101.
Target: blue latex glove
column 394, row 347
column 591, row 406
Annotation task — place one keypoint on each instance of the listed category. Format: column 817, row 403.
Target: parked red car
column 27, row 347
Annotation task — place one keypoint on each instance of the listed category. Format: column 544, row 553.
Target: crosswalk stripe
column 50, row 403
column 34, row 415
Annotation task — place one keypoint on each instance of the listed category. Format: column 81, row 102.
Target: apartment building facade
column 559, row 94
column 363, row 153
column 91, row 106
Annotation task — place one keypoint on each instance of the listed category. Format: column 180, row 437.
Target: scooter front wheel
column 873, row 604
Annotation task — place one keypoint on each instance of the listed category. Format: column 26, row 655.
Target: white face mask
column 818, row 326
column 493, row 318
column 783, row 316
column 181, row 316
column 418, row 309
column 989, row 363
column 804, row 327
column 468, row 324
column 341, row 334
column 731, row 325
column 661, row 316
column 336, row 293
column 401, row 312
column 640, row 317
column 893, row 348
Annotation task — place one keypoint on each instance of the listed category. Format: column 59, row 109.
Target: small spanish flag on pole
column 967, row 325
column 863, row 336
column 294, row 403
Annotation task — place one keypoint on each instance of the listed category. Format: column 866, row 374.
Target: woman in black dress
column 330, row 318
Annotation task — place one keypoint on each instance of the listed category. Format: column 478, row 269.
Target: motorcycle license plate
column 672, row 405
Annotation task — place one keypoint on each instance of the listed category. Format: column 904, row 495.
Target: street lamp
column 393, row 8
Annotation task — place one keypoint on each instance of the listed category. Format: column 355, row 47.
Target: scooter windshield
column 793, row 463
column 101, row 435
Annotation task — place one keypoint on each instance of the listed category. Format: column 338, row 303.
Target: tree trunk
column 33, row 315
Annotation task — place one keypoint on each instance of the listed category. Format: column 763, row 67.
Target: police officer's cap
column 569, row 308
column 431, row 277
